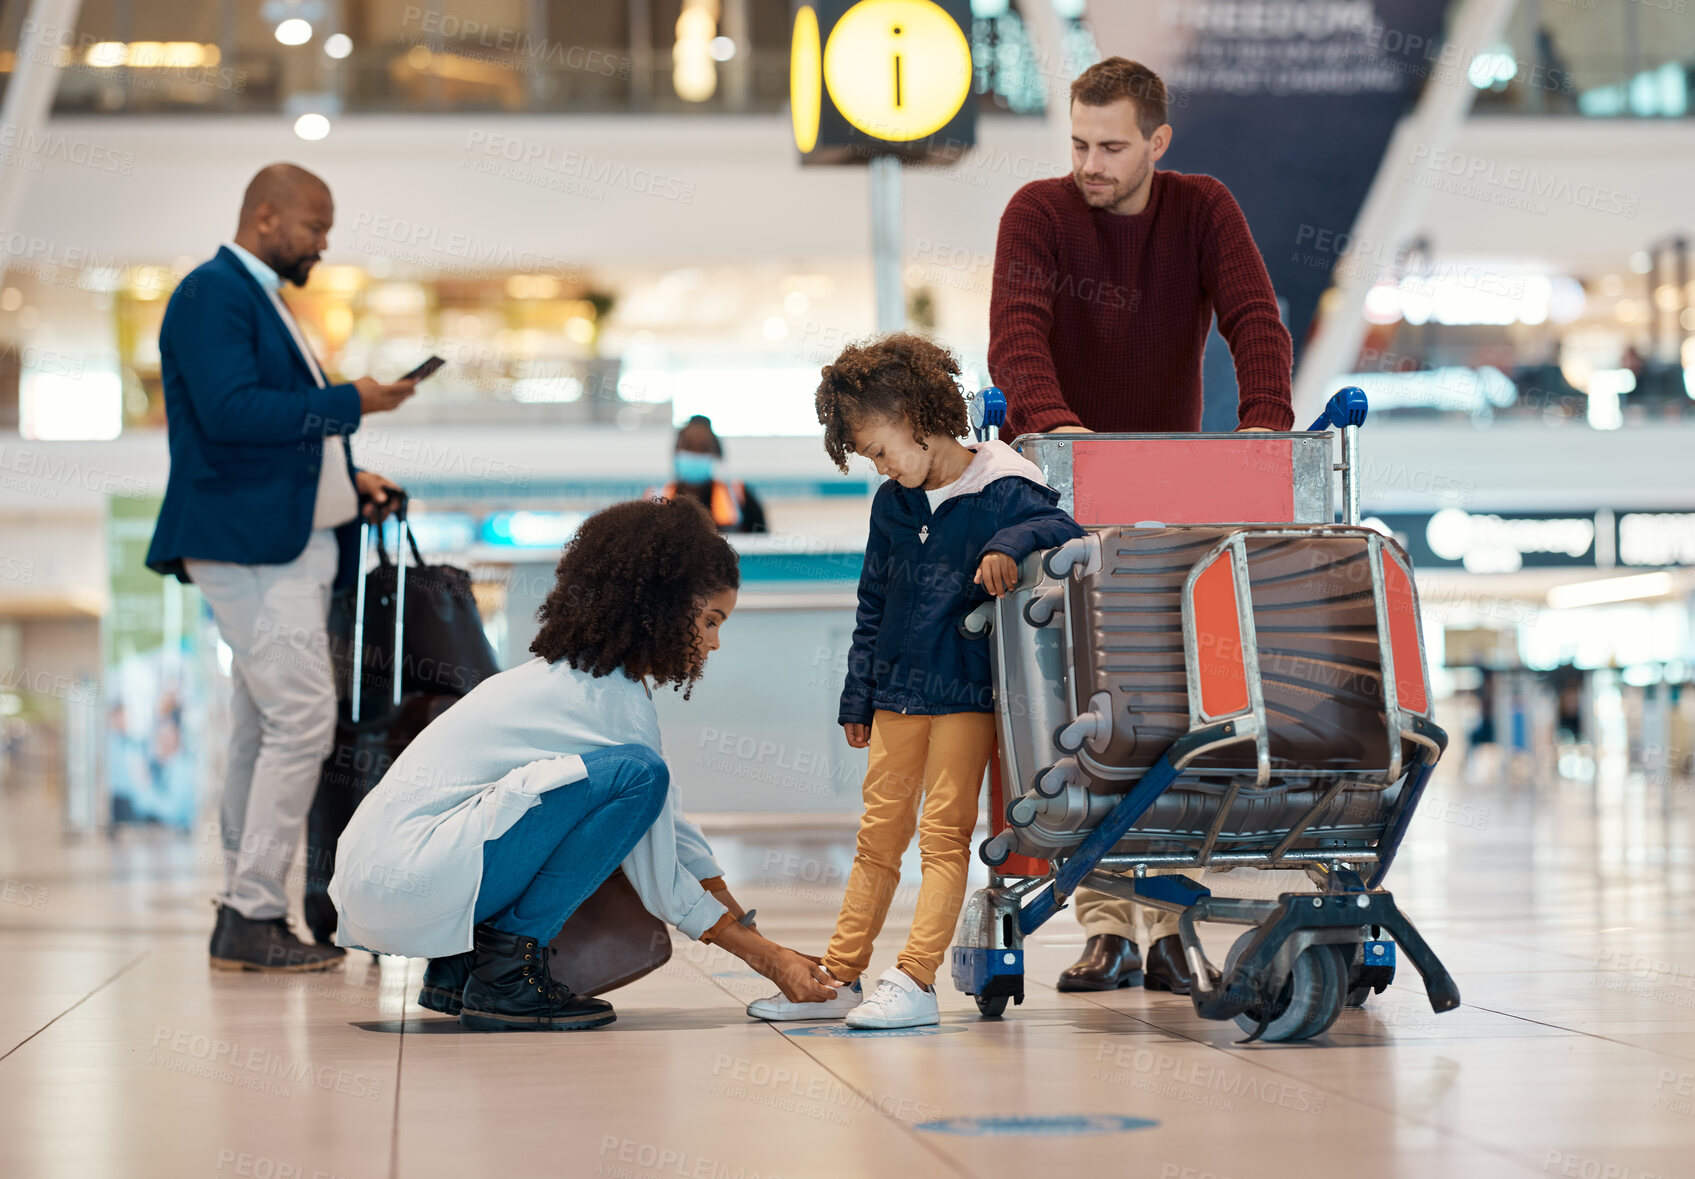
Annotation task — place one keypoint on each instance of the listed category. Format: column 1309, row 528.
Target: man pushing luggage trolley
column 1106, row 284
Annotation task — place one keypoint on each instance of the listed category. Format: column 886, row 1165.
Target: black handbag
column 440, row 647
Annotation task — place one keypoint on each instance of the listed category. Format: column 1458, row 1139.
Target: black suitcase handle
column 399, row 603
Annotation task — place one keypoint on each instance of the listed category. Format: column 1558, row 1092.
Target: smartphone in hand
column 427, row 369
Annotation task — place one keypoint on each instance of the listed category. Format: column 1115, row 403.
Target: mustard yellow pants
column 941, row 760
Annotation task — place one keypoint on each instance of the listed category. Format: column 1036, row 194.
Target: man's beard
column 297, row 271
column 1115, row 195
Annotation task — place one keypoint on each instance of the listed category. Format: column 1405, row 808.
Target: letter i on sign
column 897, row 72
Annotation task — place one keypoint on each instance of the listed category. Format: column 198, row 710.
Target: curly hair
column 628, row 587
column 899, row 376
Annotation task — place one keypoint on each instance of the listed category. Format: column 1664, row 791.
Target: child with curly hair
column 948, row 529
column 516, row 803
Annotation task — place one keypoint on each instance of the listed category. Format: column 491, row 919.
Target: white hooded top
column 409, row 866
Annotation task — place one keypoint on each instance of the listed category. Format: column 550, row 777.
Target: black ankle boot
column 242, row 943
column 511, row 990
column 444, row 983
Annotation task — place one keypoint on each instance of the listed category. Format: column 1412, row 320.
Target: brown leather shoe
column 1168, row 969
column 1108, row 962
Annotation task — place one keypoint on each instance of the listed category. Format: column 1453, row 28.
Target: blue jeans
column 569, row 842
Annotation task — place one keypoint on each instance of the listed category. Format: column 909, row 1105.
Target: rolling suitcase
column 1312, row 627
column 1307, row 648
column 368, row 736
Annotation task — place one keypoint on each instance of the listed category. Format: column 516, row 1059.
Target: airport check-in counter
column 759, row 731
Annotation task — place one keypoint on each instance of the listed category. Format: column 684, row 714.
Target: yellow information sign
column 880, row 77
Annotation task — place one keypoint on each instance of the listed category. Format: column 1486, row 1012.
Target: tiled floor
column 1566, row 913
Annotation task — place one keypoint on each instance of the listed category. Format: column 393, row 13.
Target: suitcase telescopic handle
column 359, row 620
column 401, row 527
column 1346, row 412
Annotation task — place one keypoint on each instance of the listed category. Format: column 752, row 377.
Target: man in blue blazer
column 261, row 480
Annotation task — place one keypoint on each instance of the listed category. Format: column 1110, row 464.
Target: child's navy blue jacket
column 908, row 655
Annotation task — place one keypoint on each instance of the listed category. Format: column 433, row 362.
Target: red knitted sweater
column 1099, row 319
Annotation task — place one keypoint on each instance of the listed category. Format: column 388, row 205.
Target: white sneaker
column 777, row 1009
column 898, row 1002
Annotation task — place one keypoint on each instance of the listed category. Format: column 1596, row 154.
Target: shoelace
column 557, row 992
column 886, row 992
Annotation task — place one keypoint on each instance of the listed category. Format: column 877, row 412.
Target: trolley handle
column 1346, row 412
column 1347, row 408
column 986, row 410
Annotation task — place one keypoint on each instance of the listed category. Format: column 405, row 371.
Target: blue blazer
column 246, row 423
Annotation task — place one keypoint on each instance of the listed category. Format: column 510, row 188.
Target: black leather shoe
column 511, row 989
column 1168, row 969
column 242, row 943
column 444, row 983
column 1108, row 962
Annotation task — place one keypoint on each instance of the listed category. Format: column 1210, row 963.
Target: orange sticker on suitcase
column 1410, row 691
column 1219, row 660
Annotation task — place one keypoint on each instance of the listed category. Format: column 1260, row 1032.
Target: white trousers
column 274, row 619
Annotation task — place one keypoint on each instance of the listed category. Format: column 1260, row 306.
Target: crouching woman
column 514, row 805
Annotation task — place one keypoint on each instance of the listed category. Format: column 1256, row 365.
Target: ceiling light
column 1609, row 589
column 294, row 31
column 338, row 45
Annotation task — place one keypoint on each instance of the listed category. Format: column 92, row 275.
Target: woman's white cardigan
column 409, row 865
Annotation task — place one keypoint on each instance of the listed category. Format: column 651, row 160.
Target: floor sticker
column 838, row 1029
column 1062, row 1126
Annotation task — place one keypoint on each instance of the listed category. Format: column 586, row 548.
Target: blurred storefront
column 1559, row 638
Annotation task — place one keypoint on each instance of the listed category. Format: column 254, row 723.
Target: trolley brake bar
column 1110, row 830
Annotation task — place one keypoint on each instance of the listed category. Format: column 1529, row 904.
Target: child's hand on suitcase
column 997, row 573
column 858, row 736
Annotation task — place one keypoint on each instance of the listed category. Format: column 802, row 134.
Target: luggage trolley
column 1181, row 694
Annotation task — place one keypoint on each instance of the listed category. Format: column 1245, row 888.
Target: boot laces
column 556, row 991
column 540, row 973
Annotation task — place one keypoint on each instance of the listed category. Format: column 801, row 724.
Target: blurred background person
column 698, row 472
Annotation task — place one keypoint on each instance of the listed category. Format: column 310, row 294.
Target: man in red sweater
column 1106, row 284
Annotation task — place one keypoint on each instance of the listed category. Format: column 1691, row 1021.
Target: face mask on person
column 694, row 467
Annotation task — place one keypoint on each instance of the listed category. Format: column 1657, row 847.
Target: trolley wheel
column 992, row 1006
column 1311, row 998
column 1358, row 996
